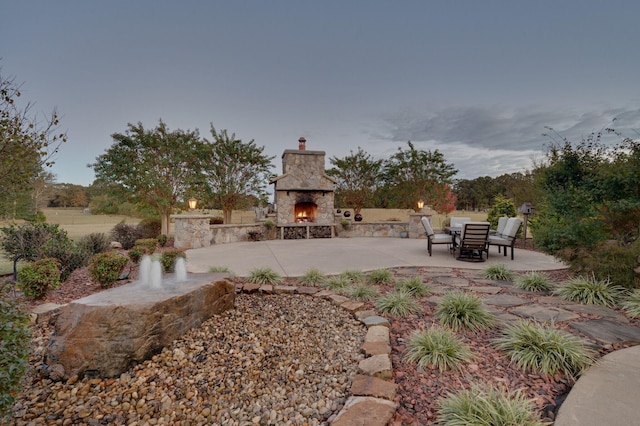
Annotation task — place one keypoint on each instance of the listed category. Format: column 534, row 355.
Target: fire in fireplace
column 305, row 212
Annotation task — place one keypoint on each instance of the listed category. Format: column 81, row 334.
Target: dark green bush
column 38, row 277
column 95, row 243
column 70, row 255
column 105, row 268
column 149, row 244
column 15, row 338
column 169, row 257
column 610, row 260
column 136, row 253
column 162, row 240
column 501, row 207
column 149, row 228
column 125, row 234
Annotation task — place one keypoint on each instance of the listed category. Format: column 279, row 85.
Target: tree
column 28, row 142
column 153, row 168
column 232, row 170
column 444, row 201
column 358, row 176
column 413, row 174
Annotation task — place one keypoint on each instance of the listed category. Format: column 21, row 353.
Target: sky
column 480, row 81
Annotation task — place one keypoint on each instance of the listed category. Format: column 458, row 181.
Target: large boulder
column 105, row 334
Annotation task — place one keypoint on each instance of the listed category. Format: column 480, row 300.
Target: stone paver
column 603, row 311
column 377, row 366
column 372, row 386
column 452, row 281
column 377, row 333
column 374, row 320
column 505, row 300
column 544, row 313
column 607, row 332
column 486, row 289
column 365, row 410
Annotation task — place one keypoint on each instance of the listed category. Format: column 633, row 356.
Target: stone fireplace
column 304, row 195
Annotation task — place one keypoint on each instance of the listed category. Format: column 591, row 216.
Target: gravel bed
column 273, row 360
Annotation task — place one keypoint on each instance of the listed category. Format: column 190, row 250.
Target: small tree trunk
column 226, row 213
column 164, row 228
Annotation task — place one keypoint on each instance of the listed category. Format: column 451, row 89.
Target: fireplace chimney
column 302, row 143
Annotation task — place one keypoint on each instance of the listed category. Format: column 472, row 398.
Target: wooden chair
column 508, row 236
column 473, row 241
column 433, row 238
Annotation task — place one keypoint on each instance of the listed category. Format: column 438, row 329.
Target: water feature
column 150, row 273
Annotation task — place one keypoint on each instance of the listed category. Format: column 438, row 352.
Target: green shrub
column 125, row 234
column 413, row 286
column 353, row 276
column 168, row 259
column 501, row 207
column 487, row 406
column 216, row 220
column 591, row 291
column 149, row 228
column 606, row 260
column 269, row 224
column 215, row 269
column 497, row 271
column 105, row 268
column 162, row 240
column 313, row 277
column 345, row 223
column 533, row 347
column 38, row 277
column 149, row 244
column 264, row 276
column 136, row 253
column 70, row 255
column 437, row 348
column 398, row 303
column 460, row 310
column 534, row 281
column 95, row 243
column 632, row 304
column 361, row 292
column 380, row 276
column 15, row 340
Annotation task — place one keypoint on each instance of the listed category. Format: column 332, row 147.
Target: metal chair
column 433, row 238
column 473, row 241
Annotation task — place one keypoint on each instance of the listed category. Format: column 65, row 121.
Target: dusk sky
column 477, row 80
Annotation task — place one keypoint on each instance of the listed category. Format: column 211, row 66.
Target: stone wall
column 373, row 229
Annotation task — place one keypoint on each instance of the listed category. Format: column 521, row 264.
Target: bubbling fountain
column 150, row 273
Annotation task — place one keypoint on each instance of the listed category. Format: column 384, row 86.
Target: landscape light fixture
column 192, row 203
column 420, row 204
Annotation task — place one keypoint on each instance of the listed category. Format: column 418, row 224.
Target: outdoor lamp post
column 192, row 203
column 420, row 204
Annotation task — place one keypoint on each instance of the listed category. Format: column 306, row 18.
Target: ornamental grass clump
column 632, row 304
column 353, row 276
column 414, row 286
column 398, row 303
column 591, row 291
column 380, row 276
column 498, row 272
column 362, row 292
column 264, row 276
column 215, row 269
column 437, row 348
column 313, row 277
column 534, row 281
column 487, row 405
column 460, row 310
column 337, row 284
column 534, row 347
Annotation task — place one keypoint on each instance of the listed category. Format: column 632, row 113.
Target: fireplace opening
column 305, row 212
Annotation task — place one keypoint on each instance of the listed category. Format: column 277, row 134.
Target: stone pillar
column 191, row 231
column 416, row 230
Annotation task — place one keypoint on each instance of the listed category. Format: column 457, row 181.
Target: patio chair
column 433, row 238
column 473, row 241
column 502, row 222
column 508, row 236
column 458, row 221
